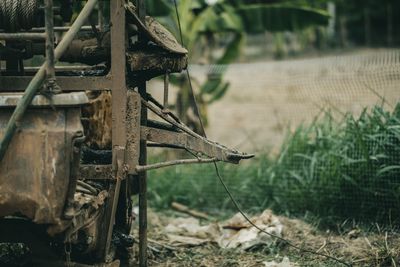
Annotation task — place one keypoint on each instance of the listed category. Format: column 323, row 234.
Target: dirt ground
column 354, row 245
column 359, row 246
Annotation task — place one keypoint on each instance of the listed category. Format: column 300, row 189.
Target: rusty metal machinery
column 74, row 137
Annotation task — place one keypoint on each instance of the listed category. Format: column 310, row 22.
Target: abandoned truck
column 73, row 137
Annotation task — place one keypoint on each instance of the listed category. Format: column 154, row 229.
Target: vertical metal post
column 118, row 72
column 119, row 95
column 50, row 59
column 143, row 188
column 142, row 159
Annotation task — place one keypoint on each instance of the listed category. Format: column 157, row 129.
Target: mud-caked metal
column 38, row 168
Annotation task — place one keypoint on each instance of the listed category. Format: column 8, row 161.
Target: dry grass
column 360, row 247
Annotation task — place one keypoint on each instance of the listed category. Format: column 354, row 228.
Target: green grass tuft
column 345, row 169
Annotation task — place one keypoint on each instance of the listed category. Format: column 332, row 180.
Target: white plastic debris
column 285, row 263
column 234, row 233
column 238, row 233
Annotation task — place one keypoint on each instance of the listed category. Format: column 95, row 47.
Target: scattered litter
column 186, row 241
column 285, row 263
column 191, row 227
column 238, row 233
column 233, row 233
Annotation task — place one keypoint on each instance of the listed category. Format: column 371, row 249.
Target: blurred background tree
column 214, row 33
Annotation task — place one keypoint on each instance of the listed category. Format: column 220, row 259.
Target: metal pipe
column 22, row 36
column 142, row 176
column 50, row 60
column 143, row 157
column 119, row 136
column 40, row 76
column 55, row 28
column 154, row 166
column 59, row 29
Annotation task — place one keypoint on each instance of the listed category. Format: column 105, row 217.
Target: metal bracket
column 119, row 169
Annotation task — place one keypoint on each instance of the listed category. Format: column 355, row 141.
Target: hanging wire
column 196, row 106
column 232, row 198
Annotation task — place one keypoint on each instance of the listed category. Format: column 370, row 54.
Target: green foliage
column 346, row 169
column 204, row 25
column 278, row 18
column 158, row 8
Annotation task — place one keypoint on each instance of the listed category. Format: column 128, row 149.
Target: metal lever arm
column 185, row 138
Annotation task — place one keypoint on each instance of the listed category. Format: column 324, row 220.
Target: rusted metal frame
column 143, row 188
column 57, row 28
column 38, row 79
column 154, row 166
column 119, row 93
column 123, row 218
column 169, row 117
column 22, row 36
column 165, row 111
column 50, row 59
column 164, row 145
column 161, row 136
column 33, row 70
column 162, row 125
column 133, row 121
column 119, row 170
column 219, row 149
column 68, row 83
column 141, row 9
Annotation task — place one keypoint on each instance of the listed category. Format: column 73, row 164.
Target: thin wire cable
column 235, row 203
column 196, row 106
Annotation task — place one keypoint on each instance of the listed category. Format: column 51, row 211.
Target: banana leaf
column 158, row 8
column 219, row 92
column 232, row 50
column 276, row 18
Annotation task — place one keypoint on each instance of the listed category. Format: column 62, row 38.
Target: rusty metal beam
column 118, row 166
column 22, row 36
column 66, row 83
column 160, row 165
column 143, row 188
column 60, row 28
column 50, row 59
column 119, row 108
column 141, row 10
column 199, row 145
column 133, row 129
